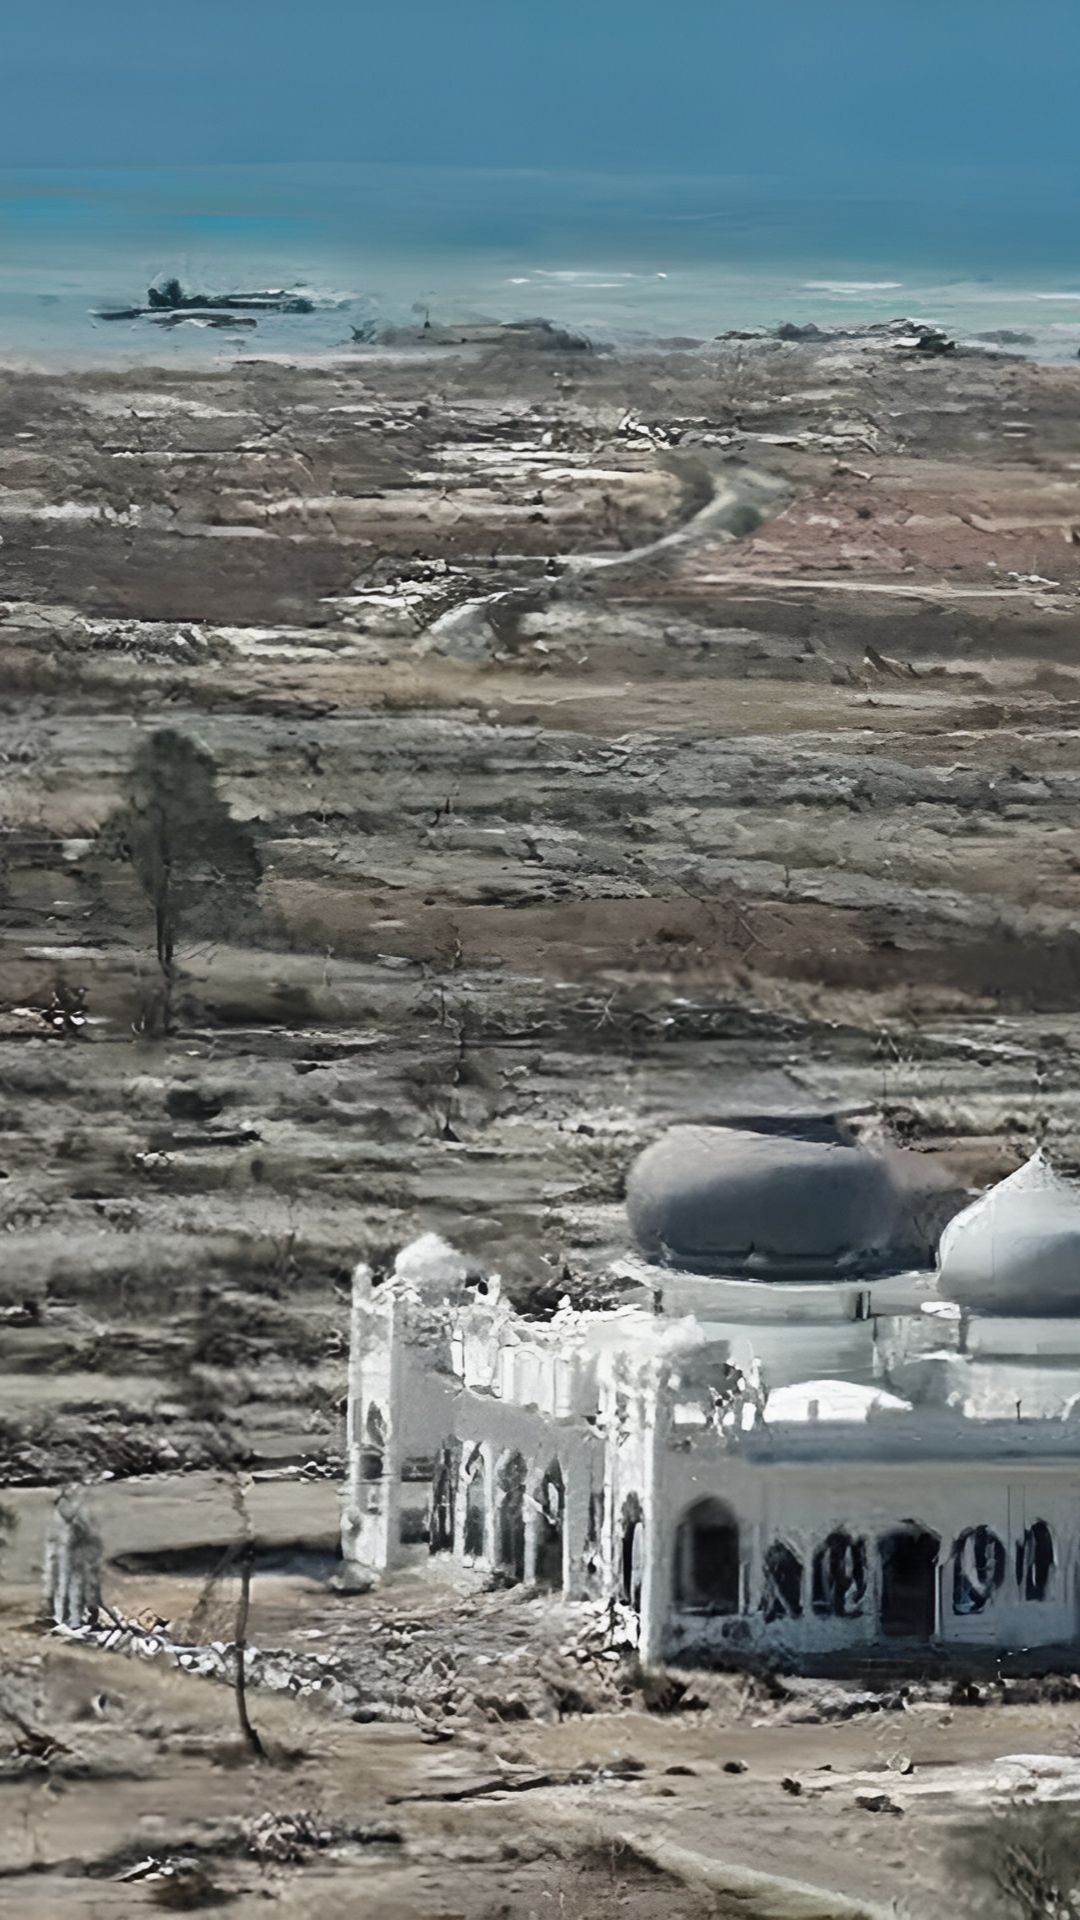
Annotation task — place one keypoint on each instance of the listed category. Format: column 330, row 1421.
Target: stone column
column 656, row 1584
column 394, row 1456
column 352, row 1507
column 577, row 1478
column 491, row 1502
column 531, row 1514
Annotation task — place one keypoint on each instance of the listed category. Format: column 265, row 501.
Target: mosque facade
column 817, row 1427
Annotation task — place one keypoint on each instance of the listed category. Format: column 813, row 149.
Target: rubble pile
column 49, row 1448
column 488, row 1657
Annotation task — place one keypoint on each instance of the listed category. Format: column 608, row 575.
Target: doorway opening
column 707, row 1558
column 909, row 1582
column 549, row 1532
column 511, row 1530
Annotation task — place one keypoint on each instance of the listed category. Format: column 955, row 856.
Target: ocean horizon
column 627, row 259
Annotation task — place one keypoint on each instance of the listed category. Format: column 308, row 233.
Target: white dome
column 1017, row 1248
column 431, row 1265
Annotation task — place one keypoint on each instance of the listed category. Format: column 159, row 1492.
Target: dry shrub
column 1022, row 1862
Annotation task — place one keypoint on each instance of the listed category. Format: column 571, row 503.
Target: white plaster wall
column 802, row 1504
column 811, row 1351
column 1009, row 1336
column 992, row 1389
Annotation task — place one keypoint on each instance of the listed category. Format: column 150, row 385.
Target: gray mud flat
column 586, row 743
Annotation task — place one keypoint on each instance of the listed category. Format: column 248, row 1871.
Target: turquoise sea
column 624, row 257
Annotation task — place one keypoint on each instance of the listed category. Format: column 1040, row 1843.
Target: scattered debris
column 530, row 1783
column 876, row 1803
column 168, row 298
column 543, row 336
column 922, row 338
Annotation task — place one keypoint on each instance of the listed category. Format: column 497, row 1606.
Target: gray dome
column 1017, row 1248
column 721, row 1198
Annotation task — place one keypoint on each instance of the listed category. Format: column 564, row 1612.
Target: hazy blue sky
column 799, row 87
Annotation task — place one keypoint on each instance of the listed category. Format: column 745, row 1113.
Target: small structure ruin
column 71, row 1570
column 791, row 1440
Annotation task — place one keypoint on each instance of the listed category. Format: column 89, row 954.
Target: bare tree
column 197, row 866
column 243, row 1605
column 9, row 1524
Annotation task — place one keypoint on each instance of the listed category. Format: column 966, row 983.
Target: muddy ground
column 579, row 743
column 126, row 1789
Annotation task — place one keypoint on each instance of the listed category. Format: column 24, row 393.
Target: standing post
column 654, row 1584
column 352, row 1526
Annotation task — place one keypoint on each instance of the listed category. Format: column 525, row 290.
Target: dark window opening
column 593, row 1537
column 782, row 1589
column 475, row 1506
column 707, row 1558
column 511, row 1521
column 444, row 1497
column 596, row 1519
column 549, row 1531
column 978, row 1569
column 632, row 1552
column 909, row 1558
column 373, row 1451
column 838, row 1583
column 414, row 1526
column 1035, row 1561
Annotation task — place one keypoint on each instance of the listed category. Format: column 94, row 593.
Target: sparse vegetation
column 197, row 866
column 1021, row 1862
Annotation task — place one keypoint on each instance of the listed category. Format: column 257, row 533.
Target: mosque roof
column 732, row 1200
column 831, row 1400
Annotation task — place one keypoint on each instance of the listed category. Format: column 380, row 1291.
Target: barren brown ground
column 779, row 810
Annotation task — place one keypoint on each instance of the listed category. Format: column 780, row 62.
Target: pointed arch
column 476, row 1518
column 908, row 1557
column 838, row 1576
column 631, row 1551
column 707, row 1565
column 1035, row 1561
column 551, row 1503
column 782, row 1586
column 444, row 1481
column 978, row 1569
column 373, row 1455
column 510, row 1524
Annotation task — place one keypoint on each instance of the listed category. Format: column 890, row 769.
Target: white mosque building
column 799, row 1437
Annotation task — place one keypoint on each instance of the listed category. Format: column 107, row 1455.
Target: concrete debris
column 168, row 299
column 921, row 338
column 615, row 1770
column 271, row 1838
column 876, row 1803
column 279, row 1670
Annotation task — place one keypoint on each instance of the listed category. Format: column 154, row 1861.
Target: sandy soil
column 498, row 1807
